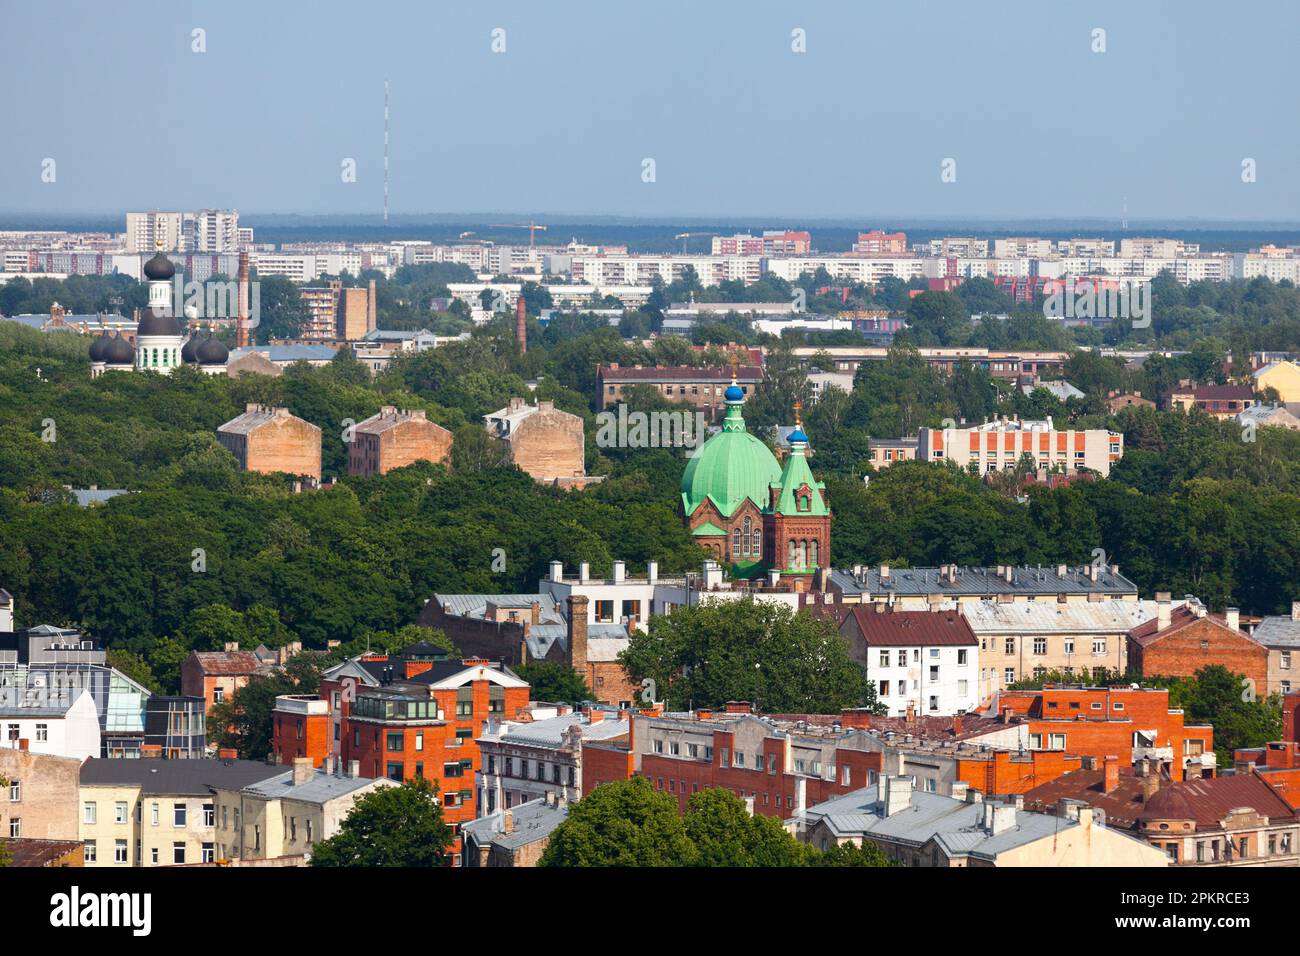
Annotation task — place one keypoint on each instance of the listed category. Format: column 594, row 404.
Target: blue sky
column 737, row 123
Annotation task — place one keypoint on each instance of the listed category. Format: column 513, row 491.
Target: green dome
column 733, row 465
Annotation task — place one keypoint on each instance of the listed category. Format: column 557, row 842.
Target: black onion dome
column 211, row 352
column 159, row 268
column 97, row 348
column 118, row 351
column 187, row 350
column 154, row 322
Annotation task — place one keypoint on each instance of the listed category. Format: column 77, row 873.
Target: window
column 15, row 827
column 208, row 853
column 934, row 703
column 1035, row 741
column 961, row 656
column 119, row 812
column 419, row 738
column 1099, row 647
column 884, row 688
column 154, row 814
column 178, row 814
column 120, row 852
column 1069, row 645
column 659, row 746
column 1009, row 675
column 632, row 610
column 42, row 731
column 15, row 791
column 89, row 812
column 884, row 658
column 1285, row 663
column 1040, row 645
column 1056, row 741
column 605, row 612
column 218, row 694
column 738, row 759
column 934, row 673
column 962, row 688
column 394, row 772
column 1009, row 645
column 395, row 742
column 309, row 833
column 209, row 815
column 178, row 852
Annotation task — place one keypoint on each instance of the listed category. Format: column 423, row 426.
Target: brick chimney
column 371, row 308
column 508, row 822
column 1110, row 774
column 521, row 312
column 578, row 634
column 911, row 712
column 956, row 726
column 302, row 770
column 1150, row 784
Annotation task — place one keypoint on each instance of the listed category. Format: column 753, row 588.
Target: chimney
column 1164, row 611
column 884, row 572
column 1061, row 570
column 371, row 308
column 535, row 613
column 1110, row 774
column 508, row 822
column 302, row 770
column 1295, row 610
column 652, row 571
column 896, row 795
column 620, row 572
column 911, row 712
column 1232, row 617
column 584, row 572
column 999, row 818
column 773, row 578
column 231, row 646
column 578, row 634
column 521, row 312
column 956, row 726
column 241, row 323
column 1150, row 784
column 557, row 571
column 354, row 768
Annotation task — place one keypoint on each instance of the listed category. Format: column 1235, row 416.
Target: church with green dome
column 751, row 512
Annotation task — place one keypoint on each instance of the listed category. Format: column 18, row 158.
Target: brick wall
column 549, row 444
column 1201, row 643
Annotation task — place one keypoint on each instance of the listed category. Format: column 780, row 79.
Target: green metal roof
column 796, row 474
column 708, row 528
column 731, row 467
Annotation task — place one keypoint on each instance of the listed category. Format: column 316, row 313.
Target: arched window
column 749, row 536
column 812, row 553
column 758, row 543
column 735, row 543
column 791, row 554
column 803, row 554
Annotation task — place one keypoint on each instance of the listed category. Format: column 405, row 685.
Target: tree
column 243, row 721
column 725, row 833
column 390, row 826
column 867, row 853
column 623, row 823
column 554, row 682
column 783, row 662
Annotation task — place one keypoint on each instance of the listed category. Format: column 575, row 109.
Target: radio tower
column 385, row 152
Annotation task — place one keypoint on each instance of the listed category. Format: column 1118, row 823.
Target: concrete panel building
column 269, row 439
column 393, row 438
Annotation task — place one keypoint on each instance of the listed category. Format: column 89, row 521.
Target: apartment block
column 701, row 387
column 269, row 439
column 393, row 438
column 950, row 585
column 1001, row 444
column 1180, row 641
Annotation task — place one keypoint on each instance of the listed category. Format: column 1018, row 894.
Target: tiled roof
column 912, row 628
column 1209, row 392
column 1148, row 633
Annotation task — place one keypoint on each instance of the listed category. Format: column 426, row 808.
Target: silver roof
column 1278, row 630
column 981, row 581
column 532, row 821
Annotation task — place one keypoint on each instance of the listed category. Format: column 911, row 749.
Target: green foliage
column 750, row 650
column 555, row 682
column 624, row 823
column 1219, row 697
column 725, row 834
column 244, row 720
column 390, row 826
column 866, row 853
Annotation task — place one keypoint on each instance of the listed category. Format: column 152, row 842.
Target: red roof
column 1146, row 633
column 680, row 373
column 1206, row 801
column 885, row 628
column 229, row 662
column 1206, row 392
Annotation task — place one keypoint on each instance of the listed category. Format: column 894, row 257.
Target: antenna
column 385, row 152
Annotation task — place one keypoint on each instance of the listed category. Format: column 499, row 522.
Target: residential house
column 1280, row 634
column 38, row 799
column 1180, row 641
column 516, row 836
column 949, row 585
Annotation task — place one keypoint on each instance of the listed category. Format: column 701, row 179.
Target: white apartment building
column 60, row 721
column 1022, row 247
column 607, row 270
column 1000, row 444
column 861, row 269
column 1252, row 265
column 305, row 267
column 208, row 230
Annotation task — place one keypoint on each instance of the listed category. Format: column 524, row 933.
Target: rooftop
column 175, row 777
column 961, row 581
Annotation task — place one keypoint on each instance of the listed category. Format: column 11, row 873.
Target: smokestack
column 241, row 323
column 372, row 308
column 1110, row 774
column 521, row 311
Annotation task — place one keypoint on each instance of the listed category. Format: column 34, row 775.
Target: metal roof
column 1278, row 631
column 983, row 581
column 180, row 777
column 1078, row 617
column 321, row 788
column 531, row 821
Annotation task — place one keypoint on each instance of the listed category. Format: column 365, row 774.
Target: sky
column 857, row 127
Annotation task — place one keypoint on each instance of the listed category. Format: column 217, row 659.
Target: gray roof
column 475, row 605
column 983, row 581
column 550, row 732
column 1050, row 617
column 284, row 354
column 321, row 788
column 954, row 824
column 533, row 820
column 180, row 777
column 1278, row 630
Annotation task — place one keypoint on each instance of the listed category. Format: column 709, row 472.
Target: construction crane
column 683, row 236
column 532, row 228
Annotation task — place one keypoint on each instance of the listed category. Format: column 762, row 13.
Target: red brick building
column 217, row 676
column 1131, row 724
column 1178, row 643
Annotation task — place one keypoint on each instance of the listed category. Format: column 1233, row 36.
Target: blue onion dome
column 798, row 435
column 734, row 393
